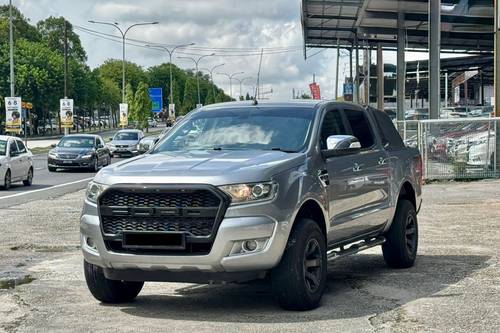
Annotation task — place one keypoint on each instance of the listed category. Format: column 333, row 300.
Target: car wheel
column 109, row 291
column 95, row 167
column 400, row 247
column 52, row 169
column 7, row 181
column 299, row 280
column 29, row 179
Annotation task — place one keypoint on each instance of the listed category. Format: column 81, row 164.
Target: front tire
column 29, row 179
column 400, row 248
column 109, row 291
column 7, row 181
column 299, row 280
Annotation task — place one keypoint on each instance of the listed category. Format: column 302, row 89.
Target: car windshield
column 3, row 147
column 285, row 129
column 131, row 136
column 76, row 142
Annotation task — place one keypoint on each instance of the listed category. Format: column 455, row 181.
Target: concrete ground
column 454, row 286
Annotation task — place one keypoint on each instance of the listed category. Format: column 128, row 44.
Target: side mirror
column 156, row 140
column 53, row 145
column 338, row 145
column 110, row 139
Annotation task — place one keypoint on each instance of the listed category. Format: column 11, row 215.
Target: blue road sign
column 156, row 95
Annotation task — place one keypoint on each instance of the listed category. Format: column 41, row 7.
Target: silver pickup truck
column 247, row 190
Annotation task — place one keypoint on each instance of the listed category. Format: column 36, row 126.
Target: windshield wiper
column 283, row 150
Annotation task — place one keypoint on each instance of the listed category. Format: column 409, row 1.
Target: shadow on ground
column 358, row 286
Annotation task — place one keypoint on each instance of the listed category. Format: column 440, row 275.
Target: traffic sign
column 66, row 112
column 156, row 95
column 13, row 114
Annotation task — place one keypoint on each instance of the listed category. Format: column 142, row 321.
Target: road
column 49, row 184
column 454, row 286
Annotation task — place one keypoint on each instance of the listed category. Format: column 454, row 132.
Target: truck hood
column 200, row 167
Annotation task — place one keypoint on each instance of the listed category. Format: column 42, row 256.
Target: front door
column 15, row 161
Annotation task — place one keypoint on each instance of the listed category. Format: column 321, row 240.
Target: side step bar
column 354, row 248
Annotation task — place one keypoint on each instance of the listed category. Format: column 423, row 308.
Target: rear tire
column 299, row 280
column 109, row 291
column 400, row 248
column 29, row 179
column 7, row 181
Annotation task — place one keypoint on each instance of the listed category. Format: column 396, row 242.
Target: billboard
column 123, row 114
column 66, row 112
column 13, row 122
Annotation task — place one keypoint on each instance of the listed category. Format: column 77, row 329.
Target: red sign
column 315, row 91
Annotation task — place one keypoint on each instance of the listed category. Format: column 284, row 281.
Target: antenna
column 258, row 78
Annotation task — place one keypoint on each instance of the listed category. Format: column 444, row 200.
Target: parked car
column 147, row 143
column 125, row 142
column 79, row 151
column 274, row 189
column 152, row 122
column 16, row 162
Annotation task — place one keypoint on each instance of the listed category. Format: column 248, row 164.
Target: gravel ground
column 454, row 286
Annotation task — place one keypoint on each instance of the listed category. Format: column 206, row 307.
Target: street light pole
column 241, row 82
column 211, row 71
column 124, row 34
column 196, row 62
column 230, row 77
column 11, row 45
column 170, row 54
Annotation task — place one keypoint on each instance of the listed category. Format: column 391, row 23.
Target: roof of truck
column 302, row 103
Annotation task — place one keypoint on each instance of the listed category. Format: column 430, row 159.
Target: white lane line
column 39, row 169
column 46, row 189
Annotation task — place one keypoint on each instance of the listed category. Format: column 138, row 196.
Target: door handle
column 356, row 168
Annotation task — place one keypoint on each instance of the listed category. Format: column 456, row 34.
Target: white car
column 16, row 162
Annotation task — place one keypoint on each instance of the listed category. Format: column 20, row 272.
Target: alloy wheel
column 313, row 265
column 411, row 234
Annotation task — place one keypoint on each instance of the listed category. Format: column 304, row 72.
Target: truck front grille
column 195, row 211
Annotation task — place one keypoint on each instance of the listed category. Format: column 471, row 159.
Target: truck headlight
column 243, row 193
column 94, row 190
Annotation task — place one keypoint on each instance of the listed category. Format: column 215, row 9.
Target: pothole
column 12, row 279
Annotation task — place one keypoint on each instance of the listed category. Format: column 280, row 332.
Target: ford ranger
column 246, row 190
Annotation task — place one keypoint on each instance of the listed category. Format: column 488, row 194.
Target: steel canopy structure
column 466, row 25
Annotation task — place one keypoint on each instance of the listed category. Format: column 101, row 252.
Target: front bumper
column 69, row 164
column 218, row 260
column 124, row 151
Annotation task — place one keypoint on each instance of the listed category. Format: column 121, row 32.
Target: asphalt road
column 46, row 184
column 454, row 286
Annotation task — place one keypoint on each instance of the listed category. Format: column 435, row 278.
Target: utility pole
column 230, row 77
column 66, row 129
column 11, row 52
column 337, row 71
column 211, row 71
column 241, row 82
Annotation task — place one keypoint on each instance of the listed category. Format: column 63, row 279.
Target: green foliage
column 112, row 69
column 142, row 105
column 129, row 99
column 52, row 32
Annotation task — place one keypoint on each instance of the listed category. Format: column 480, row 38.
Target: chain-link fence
column 454, row 148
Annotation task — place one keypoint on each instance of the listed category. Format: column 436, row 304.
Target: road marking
column 39, row 169
column 45, row 189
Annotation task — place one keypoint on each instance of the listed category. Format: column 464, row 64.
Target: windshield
column 76, row 142
column 3, row 147
column 126, row 136
column 285, row 129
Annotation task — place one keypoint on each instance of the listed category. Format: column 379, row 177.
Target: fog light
column 90, row 243
column 250, row 245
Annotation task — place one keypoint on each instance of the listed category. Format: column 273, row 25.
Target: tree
column 129, row 99
column 142, row 105
column 52, row 32
column 247, row 97
column 190, row 96
column 112, row 69
column 22, row 28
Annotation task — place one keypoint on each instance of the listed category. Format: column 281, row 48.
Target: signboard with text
column 66, row 112
column 13, row 122
column 156, row 95
column 123, row 114
column 171, row 110
column 315, row 91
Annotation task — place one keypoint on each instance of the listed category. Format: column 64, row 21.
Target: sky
column 249, row 25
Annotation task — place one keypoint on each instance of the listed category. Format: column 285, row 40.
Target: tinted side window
column 21, row 147
column 13, row 147
column 360, row 127
column 332, row 125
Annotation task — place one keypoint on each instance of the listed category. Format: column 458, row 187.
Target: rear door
column 15, row 161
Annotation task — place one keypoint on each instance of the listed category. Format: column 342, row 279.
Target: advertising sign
column 156, row 95
column 123, row 114
column 315, row 91
column 13, row 122
column 171, row 110
column 66, row 112
column 348, row 91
